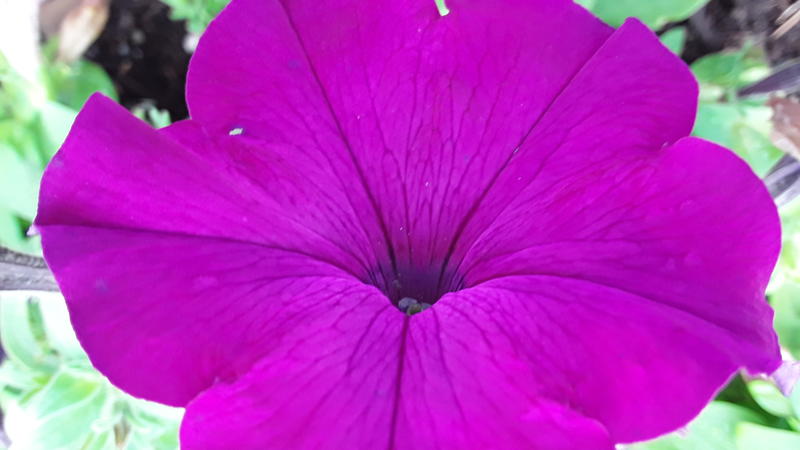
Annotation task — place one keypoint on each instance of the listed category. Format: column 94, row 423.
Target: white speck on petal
column 236, row 131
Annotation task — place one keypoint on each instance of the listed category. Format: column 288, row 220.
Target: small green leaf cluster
column 35, row 117
column 53, row 399
column 654, row 13
column 197, row 13
column 743, row 125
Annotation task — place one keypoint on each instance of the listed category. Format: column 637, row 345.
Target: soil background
column 729, row 23
column 142, row 50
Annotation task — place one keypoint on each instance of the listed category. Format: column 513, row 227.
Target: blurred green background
column 136, row 52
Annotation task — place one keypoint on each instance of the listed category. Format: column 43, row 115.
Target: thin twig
column 788, row 13
column 785, row 79
column 788, row 20
column 783, row 180
column 19, row 272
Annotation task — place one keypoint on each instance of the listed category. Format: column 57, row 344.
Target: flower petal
column 165, row 316
column 114, row 171
column 638, row 367
column 631, row 99
column 384, row 382
column 329, row 136
column 689, row 226
column 149, row 232
column 417, row 112
column 529, row 361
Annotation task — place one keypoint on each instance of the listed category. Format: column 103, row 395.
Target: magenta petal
column 378, row 380
column 630, row 99
column 533, row 361
column 420, row 111
column 603, row 275
column 166, row 316
column 149, row 232
column 638, row 367
column 114, row 171
column 643, row 228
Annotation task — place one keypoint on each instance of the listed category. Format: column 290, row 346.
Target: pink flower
column 594, row 275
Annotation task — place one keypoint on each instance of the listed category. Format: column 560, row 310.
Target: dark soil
column 142, row 51
column 729, row 23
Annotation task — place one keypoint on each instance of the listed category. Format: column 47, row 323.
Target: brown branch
column 21, row 272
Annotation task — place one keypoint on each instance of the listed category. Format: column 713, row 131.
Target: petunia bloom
column 594, row 275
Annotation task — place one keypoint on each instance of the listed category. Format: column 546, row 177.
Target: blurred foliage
column 785, row 284
column 674, row 39
column 654, row 13
column 53, row 399
column 196, row 13
column 715, row 428
column 741, row 125
column 35, row 116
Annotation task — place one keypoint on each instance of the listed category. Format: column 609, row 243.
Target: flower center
column 412, row 306
column 414, row 289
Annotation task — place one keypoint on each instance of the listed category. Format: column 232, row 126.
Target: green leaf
column 66, row 388
column 722, row 68
column 674, row 39
column 724, row 72
column 787, row 270
column 197, row 13
column 72, row 84
column 19, row 184
column 18, row 336
column 104, row 440
column 770, row 398
column 794, row 398
column 149, row 415
column 139, row 439
column 741, row 126
column 23, row 136
column 167, row 441
column 65, row 414
column 12, row 233
column 158, row 118
column 713, row 429
column 786, row 303
column 16, row 380
column 58, row 328
column 153, row 426
column 756, row 437
column 54, row 121
column 654, row 13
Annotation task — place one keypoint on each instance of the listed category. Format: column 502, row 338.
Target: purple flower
column 595, row 276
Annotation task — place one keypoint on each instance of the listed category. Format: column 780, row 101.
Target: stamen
column 412, row 306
